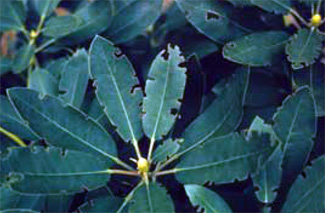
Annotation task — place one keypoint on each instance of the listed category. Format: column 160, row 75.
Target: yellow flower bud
column 143, row 165
column 316, row 20
column 33, row 34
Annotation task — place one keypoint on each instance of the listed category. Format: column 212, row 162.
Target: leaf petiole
column 13, row 137
column 167, row 172
column 123, row 172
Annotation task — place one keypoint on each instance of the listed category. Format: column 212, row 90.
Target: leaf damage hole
column 303, row 174
column 173, row 111
column 118, row 53
column 182, row 64
column 212, row 15
column 231, row 45
column 135, row 88
column 63, row 152
column 165, row 54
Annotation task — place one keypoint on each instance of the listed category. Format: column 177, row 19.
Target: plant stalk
column 13, row 137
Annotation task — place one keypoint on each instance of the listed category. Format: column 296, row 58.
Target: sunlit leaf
column 258, row 49
column 206, row 199
column 304, row 48
column 295, row 126
column 52, row 172
column 62, row 125
column 114, row 81
column 164, row 91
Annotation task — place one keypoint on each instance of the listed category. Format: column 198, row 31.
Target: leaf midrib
column 292, row 126
column 65, row 130
column 305, row 45
column 307, row 193
column 120, row 98
column 62, row 174
column 221, row 162
column 162, row 100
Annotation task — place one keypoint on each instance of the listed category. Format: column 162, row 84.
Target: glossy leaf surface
column 164, row 90
column 258, row 49
column 297, row 111
column 167, row 149
column 44, row 82
column 56, row 172
column 114, row 81
column 60, row 125
column 13, row 122
column 23, row 58
column 212, row 19
column 304, row 48
column 74, row 79
column 223, row 115
column 206, row 199
column 222, row 160
column 61, row 25
column 152, row 199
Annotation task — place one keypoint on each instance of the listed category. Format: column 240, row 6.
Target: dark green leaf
column 23, row 58
column 12, row 15
column 257, row 49
column 268, row 177
column 74, row 79
column 164, row 90
column 307, row 194
column 52, row 172
column 276, row 6
column 55, row 67
column 45, row 7
column 314, row 77
column 295, row 126
column 223, row 115
column 167, row 149
column 12, row 201
column 222, row 160
column 206, row 199
column 105, row 204
column 95, row 18
column 42, row 81
column 304, row 48
column 60, row 125
column 213, row 19
column 114, row 79
column 151, row 198
column 132, row 19
column 12, row 121
column 61, row 25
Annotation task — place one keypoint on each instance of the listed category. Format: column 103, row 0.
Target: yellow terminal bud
column 143, row 165
column 316, row 20
column 33, row 34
